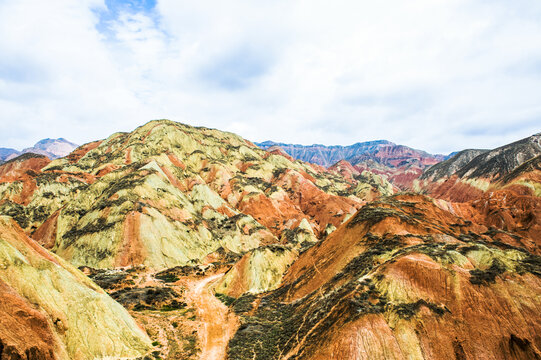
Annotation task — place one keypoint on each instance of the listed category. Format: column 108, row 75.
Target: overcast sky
column 435, row 75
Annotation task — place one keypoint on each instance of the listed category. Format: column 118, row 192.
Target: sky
column 437, row 75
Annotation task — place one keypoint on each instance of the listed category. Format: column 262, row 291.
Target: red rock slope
column 402, row 279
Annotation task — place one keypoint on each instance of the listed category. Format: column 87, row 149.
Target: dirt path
column 218, row 323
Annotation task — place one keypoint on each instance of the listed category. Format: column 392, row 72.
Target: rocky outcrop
column 369, row 183
column 31, row 196
column 50, row 310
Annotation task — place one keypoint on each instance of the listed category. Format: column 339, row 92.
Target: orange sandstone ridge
column 402, row 278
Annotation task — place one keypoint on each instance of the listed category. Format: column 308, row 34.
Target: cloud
column 436, row 75
column 236, row 70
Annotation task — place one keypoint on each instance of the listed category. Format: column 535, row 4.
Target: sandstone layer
column 50, row 310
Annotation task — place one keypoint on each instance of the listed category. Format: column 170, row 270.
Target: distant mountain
column 498, row 162
column 6, row 153
column 453, row 164
column 470, row 173
column 52, row 148
column 326, row 155
column 399, row 164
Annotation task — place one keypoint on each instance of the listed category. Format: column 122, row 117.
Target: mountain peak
column 52, row 148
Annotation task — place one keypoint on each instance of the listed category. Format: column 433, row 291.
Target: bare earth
column 218, row 323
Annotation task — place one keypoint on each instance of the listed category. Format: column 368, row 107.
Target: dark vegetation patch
column 265, row 335
column 488, row 276
column 367, row 180
column 126, row 182
column 373, row 213
column 104, row 202
column 72, row 210
column 55, row 168
column 435, row 250
column 276, row 173
column 104, row 278
column 48, row 195
column 173, row 274
column 408, row 310
column 244, row 304
column 97, row 226
column 532, row 264
column 219, row 227
column 493, row 232
column 276, row 248
column 469, row 237
column 149, row 298
column 16, row 211
column 366, row 261
column 230, row 223
column 225, row 257
column 40, row 214
column 464, row 250
column 190, row 345
column 240, row 182
column 227, row 300
column 290, row 235
column 46, row 178
column 168, row 277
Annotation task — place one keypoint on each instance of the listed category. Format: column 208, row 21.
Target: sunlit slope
column 402, row 279
column 50, row 310
column 169, row 194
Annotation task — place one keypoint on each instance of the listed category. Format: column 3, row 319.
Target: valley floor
column 218, row 324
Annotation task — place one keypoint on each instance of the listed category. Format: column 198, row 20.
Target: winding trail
column 218, row 323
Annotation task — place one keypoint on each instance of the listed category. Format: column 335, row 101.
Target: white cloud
column 437, row 75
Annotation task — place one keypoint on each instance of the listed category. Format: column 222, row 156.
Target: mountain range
column 398, row 164
column 384, row 151
column 52, row 148
column 181, row 242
